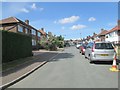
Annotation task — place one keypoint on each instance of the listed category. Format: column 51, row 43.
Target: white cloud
column 24, row 10
column 92, row 19
column 78, row 27
column 41, row 9
column 13, row 8
column 71, row 19
column 33, row 6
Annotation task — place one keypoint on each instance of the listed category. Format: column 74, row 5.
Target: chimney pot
column 27, row 22
column 102, row 29
column 42, row 29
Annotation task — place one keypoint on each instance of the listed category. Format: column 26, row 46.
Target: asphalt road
column 70, row 69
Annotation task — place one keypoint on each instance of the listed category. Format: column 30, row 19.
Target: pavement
column 13, row 75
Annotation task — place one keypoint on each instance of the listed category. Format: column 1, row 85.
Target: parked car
column 82, row 48
column 78, row 45
column 66, row 44
column 99, row 51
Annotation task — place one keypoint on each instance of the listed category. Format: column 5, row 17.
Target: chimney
column 102, row 29
column 27, row 22
column 42, row 29
column 94, row 33
column 118, row 22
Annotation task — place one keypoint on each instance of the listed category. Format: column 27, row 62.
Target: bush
column 53, row 47
column 15, row 46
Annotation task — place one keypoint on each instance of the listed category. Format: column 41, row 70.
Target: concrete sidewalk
column 13, row 75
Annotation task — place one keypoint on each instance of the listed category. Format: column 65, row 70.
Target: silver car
column 99, row 51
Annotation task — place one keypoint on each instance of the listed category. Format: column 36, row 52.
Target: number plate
column 104, row 54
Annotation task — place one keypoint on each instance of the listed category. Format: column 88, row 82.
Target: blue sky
column 65, row 18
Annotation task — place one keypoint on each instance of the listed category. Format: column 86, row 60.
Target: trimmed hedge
column 15, row 46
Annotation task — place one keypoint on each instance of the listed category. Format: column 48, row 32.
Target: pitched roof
column 116, row 28
column 104, row 32
column 14, row 20
column 9, row 20
column 94, row 35
column 42, row 32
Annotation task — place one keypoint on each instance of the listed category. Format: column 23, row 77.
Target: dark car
column 82, row 48
column 67, row 44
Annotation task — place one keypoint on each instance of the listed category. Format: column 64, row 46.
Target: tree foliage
column 52, row 42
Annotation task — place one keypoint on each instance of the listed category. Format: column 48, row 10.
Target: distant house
column 89, row 38
column 14, row 24
column 94, row 37
column 101, row 35
column 43, row 33
column 113, row 35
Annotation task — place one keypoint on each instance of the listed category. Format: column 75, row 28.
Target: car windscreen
column 84, row 46
column 103, row 46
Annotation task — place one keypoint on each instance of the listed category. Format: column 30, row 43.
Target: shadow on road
column 63, row 56
column 38, row 59
column 27, row 62
column 102, row 62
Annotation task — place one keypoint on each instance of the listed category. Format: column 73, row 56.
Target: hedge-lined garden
column 52, row 43
column 15, row 46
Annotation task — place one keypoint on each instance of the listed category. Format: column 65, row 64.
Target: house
column 113, row 35
column 14, row 24
column 43, row 33
column 101, row 35
column 94, row 37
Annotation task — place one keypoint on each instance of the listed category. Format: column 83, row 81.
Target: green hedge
column 15, row 46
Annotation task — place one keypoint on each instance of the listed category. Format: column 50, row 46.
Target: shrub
column 15, row 46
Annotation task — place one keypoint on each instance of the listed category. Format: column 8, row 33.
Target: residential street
column 70, row 69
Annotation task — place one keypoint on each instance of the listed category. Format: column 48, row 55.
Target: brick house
column 14, row 24
column 43, row 33
column 101, row 35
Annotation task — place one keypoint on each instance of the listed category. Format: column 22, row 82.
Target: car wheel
column 91, row 61
column 89, row 57
column 82, row 53
column 85, row 57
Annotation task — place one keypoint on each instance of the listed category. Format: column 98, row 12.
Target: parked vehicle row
column 82, row 48
column 98, row 51
column 78, row 45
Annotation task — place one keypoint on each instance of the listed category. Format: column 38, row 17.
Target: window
column 118, row 32
column 90, row 45
column 110, row 34
column 33, row 42
column 103, row 46
column 38, row 34
column 115, row 33
column 26, row 30
column 20, row 28
column 106, row 36
column 33, row 32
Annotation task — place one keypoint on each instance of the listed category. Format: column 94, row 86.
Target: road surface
column 70, row 69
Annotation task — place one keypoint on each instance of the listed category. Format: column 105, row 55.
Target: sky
column 73, row 20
